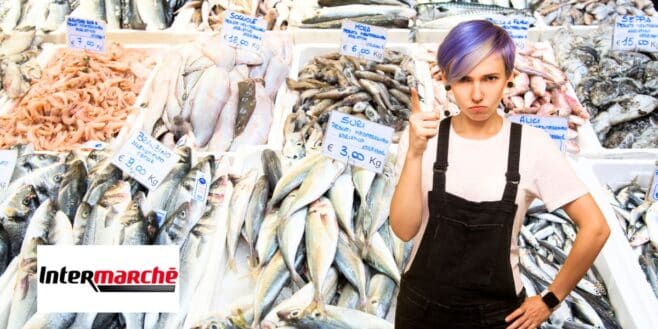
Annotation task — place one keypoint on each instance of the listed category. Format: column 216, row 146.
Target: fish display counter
column 618, row 89
column 620, row 187
column 78, row 97
column 377, row 92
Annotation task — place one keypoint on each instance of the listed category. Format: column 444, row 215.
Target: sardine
column 321, row 236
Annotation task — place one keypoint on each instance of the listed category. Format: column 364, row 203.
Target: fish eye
column 294, row 313
column 26, row 201
column 214, row 326
column 316, row 314
column 42, row 157
column 183, row 213
column 57, row 178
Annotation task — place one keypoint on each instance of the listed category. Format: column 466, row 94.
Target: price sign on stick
column 363, row 41
column 359, row 142
column 635, row 33
column 242, row 31
column 85, row 34
column 516, row 26
column 145, row 159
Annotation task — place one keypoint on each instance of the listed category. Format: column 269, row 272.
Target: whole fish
column 380, row 295
column 255, row 214
column 152, row 13
column 332, row 13
column 334, row 317
column 207, row 102
column 321, row 236
column 239, row 202
column 303, row 297
column 341, row 195
column 176, row 227
column 133, row 223
column 257, row 127
column 319, row 180
column 331, row 3
column 292, row 178
column 17, row 210
column 266, row 243
column 380, row 257
column 103, row 177
column 271, row 167
column 73, row 189
column 349, row 297
column 350, row 264
column 289, row 235
column 270, row 282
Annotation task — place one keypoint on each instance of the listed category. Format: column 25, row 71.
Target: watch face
column 550, row 300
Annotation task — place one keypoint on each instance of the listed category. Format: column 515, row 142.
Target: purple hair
column 469, row 43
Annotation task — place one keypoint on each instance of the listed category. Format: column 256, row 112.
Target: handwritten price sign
column 145, row 159
column 359, row 142
column 363, row 41
column 85, row 34
column 516, row 26
column 635, row 33
column 242, row 31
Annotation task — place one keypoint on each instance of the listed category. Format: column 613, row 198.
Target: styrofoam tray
column 594, row 149
column 305, row 53
column 629, row 292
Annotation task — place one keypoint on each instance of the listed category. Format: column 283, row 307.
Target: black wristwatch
column 549, row 299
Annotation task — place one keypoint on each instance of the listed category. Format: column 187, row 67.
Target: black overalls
column 461, row 276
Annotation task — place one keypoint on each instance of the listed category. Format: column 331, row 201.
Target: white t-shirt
column 476, row 172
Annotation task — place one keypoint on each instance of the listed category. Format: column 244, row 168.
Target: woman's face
column 481, row 90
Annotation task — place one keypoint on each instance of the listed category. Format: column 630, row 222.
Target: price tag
column 242, row 31
column 363, row 41
column 7, row 165
column 145, row 159
column 201, row 187
column 555, row 127
column 85, row 34
column 160, row 216
column 635, row 33
column 516, row 26
column 359, row 142
column 94, row 145
column 654, row 186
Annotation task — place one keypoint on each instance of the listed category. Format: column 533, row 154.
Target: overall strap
column 441, row 162
column 512, row 175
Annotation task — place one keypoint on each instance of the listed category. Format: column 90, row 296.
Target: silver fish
column 73, row 189
column 350, row 264
column 341, row 195
column 289, row 235
column 266, row 243
column 255, row 214
column 380, row 257
column 239, row 202
column 17, row 210
column 292, row 178
column 321, row 236
column 380, row 295
column 320, row 179
column 334, row 317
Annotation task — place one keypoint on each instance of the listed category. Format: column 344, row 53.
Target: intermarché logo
column 154, row 280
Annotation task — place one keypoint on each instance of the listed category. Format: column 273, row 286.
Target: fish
column 333, row 317
column 349, row 297
column 270, row 282
column 321, row 237
column 320, row 179
column 380, row 257
column 271, row 166
column 331, row 3
column 380, row 295
column 17, row 211
column 289, row 235
column 73, row 188
column 255, row 215
column 50, row 321
column 152, row 13
column 333, row 13
column 133, row 223
column 239, row 200
column 293, row 178
column 341, row 195
column 266, row 243
column 211, row 95
column 246, row 104
column 349, row 263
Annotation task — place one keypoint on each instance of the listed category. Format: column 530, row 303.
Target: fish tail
column 231, row 264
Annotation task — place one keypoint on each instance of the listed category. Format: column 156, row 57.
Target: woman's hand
column 422, row 127
column 530, row 315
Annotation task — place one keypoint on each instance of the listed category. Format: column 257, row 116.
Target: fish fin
column 231, row 264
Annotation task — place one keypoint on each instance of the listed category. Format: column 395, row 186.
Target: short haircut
column 469, row 43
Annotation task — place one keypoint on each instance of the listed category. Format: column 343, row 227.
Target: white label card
column 363, row 41
column 201, row 187
column 555, row 127
column 145, row 159
column 635, row 33
column 358, row 142
column 85, row 34
column 242, row 31
column 654, row 186
column 7, row 165
column 516, row 26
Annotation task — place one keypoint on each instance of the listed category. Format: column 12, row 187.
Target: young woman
column 465, row 273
